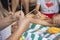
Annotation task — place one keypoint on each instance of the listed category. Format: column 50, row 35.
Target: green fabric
column 39, row 38
column 25, row 34
column 33, row 26
column 33, row 34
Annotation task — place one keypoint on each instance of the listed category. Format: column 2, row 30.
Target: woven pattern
column 39, row 32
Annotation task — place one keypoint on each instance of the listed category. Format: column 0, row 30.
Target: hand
column 56, row 19
column 30, row 15
column 16, row 15
column 19, row 14
column 41, row 16
column 24, row 23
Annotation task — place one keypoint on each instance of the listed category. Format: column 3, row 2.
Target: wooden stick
column 32, row 11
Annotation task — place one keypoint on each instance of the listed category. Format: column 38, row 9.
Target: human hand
column 19, row 14
column 41, row 16
column 30, row 15
column 24, row 23
column 56, row 19
column 16, row 15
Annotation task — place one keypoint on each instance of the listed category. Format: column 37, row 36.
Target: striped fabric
column 39, row 32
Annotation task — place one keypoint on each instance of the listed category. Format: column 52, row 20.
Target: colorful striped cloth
column 39, row 32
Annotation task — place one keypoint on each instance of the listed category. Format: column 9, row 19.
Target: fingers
column 47, row 23
column 54, row 19
column 19, row 14
column 41, row 16
column 30, row 15
column 38, row 15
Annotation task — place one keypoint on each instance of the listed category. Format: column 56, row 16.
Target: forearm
column 6, row 21
column 22, row 28
column 16, row 35
column 37, row 7
column 41, row 22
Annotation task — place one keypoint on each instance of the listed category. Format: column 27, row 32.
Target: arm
column 36, row 20
column 41, row 22
column 56, row 19
column 37, row 7
column 22, row 27
column 6, row 21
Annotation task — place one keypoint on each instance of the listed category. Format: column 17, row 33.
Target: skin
column 37, row 20
column 25, row 4
column 37, row 7
column 40, row 22
column 14, row 5
column 1, row 11
column 22, row 27
column 56, row 19
column 4, row 23
column 23, row 23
